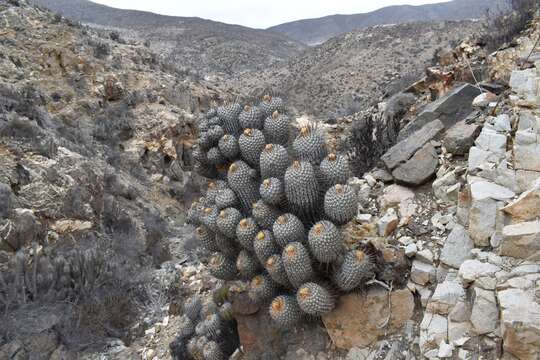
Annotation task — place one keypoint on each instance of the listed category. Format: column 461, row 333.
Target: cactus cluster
column 283, row 203
column 205, row 331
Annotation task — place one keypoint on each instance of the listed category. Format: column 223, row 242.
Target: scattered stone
column 25, row 229
column 388, row 223
column 457, row 247
column 483, row 100
column 524, row 82
column 482, row 220
column 520, row 322
column 382, row 175
column 371, row 311
column 433, row 330
column 411, row 250
column 471, row 270
column 425, row 256
column 521, row 241
column 527, row 150
column 484, row 315
column 422, row 273
column 445, row 297
column 527, row 206
column 445, row 350
column 460, row 137
column 418, row 169
column 484, row 189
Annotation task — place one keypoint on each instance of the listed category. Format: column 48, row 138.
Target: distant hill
column 208, row 46
column 317, row 31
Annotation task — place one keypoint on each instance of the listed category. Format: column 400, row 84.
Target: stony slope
column 317, row 31
column 206, row 46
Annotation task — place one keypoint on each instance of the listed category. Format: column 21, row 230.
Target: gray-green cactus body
column 251, row 144
column 228, row 220
column 228, row 146
column 264, row 214
column 297, row 264
column 206, row 238
column 325, row 241
column 262, row 288
column 192, row 308
column 229, row 116
column 246, row 231
column 222, row 267
column 314, row 299
column 272, row 191
column 310, row 145
column 265, row 246
column 276, row 129
column 340, row 204
column 274, row 161
column 301, row 190
column 226, row 198
column 334, row 169
column 243, row 181
column 251, row 118
column 285, row 312
column 287, row 229
column 271, row 104
column 275, row 268
column 248, row 266
column 356, row 269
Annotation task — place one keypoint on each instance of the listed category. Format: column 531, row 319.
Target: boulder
column 25, row 229
column 483, row 100
column 446, row 296
column 527, row 150
column 491, row 141
column 521, row 240
column 402, row 197
column 460, row 137
column 405, row 149
column 482, row 220
column 484, row 314
column 524, row 82
column 358, row 320
column 520, row 323
column 457, row 247
column 433, row 330
column 418, row 169
column 471, row 270
column 422, row 273
column 481, row 190
column 527, row 206
column 388, row 223
column 456, row 105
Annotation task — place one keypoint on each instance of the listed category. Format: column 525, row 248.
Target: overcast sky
column 258, row 14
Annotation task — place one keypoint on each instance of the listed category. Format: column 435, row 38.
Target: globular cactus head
column 334, row 169
column 251, row 118
column 251, row 144
column 215, row 157
column 226, row 311
column 270, row 104
column 186, row 328
column 212, row 351
column 264, row 214
column 247, row 265
column 285, row 312
column 226, row 198
column 262, row 288
column 276, row 128
column 275, row 268
column 274, row 161
column 325, row 241
column 302, row 191
column 314, row 299
column 246, row 231
column 228, row 146
column 209, row 218
column 213, row 326
column 207, row 238
column 215, row 133
column 192, row 308
column 228, row 220
column 310, row 145
column 340, row 204
column 229, row 116
column 297, row 263
column 243, row 181
column 356, row 269
column 287, row 229
column 227, row 246
column 272, row 192
column 222, row 267
column 265, row 246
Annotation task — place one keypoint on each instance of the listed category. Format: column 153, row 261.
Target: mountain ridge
column 318, row 30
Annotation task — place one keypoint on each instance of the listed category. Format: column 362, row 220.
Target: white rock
column 445, row 350
column 521, row 240
column 446, row 296
column 484, row 189
column 422, row 273
column 433, row 330
column 491, row 141
column 471, row 270
column 411, row 250
column 482, row 221
column 457, row 247
column 484, row 315
column 426, row 256
column 388, row 223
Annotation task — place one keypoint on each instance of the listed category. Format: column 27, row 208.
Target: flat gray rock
column 457, row 247
column 460, row 137
column 404, row 150
column 418, row 169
